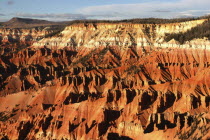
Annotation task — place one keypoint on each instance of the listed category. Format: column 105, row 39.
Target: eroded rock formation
column 26, row 36
column 120, row 34
column 96, row 87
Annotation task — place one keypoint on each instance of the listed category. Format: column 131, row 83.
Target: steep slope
column 107, row 81
column 25, row 31
column 200, row 31
column 119, row 34
column 27, row 36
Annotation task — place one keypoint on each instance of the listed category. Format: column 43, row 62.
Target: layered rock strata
column 96, row 87
column 121, row 34
column 26, row 36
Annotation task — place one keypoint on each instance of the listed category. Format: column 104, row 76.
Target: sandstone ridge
column 106, row 84
column 118, row 34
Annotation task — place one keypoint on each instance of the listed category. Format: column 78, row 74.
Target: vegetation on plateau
column 140, row 20
column 199, row 31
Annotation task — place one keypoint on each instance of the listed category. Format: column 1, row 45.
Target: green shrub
column 199, row 31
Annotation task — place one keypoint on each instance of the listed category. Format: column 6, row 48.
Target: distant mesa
column 17, row 22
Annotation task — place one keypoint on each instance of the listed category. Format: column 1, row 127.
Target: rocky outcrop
column 26, row 36
column 114, row 91
column 120, row 34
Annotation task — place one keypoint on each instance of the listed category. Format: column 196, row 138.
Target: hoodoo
column 105, row 81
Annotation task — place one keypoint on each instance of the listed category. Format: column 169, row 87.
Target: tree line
column 199, row 31
column 141, row 20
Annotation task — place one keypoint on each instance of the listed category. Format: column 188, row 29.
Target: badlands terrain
column 104, row 80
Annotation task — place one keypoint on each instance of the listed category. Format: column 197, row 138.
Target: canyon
column 104, row 81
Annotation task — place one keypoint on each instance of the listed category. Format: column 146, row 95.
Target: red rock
column 104, row 93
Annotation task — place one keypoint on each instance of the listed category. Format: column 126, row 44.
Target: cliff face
column 121, row 34
column 25, row 36
column 105, row 83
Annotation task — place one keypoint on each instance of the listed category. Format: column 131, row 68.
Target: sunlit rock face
column 107, row 81
column 120, row 34
column 24, row 36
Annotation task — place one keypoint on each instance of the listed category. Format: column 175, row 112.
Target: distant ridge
column 17, row 22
